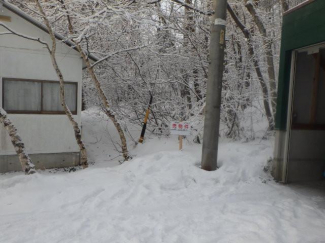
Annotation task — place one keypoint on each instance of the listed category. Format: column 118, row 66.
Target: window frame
column 42, row 95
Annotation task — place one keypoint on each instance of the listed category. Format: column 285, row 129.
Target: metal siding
column 301, row 28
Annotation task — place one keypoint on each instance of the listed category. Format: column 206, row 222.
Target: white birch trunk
column 77, row 130
column 26, row 163
column 104, row 100
column 268, row 54
column 102, row 95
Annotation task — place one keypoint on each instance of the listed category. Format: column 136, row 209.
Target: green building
column 299, row 153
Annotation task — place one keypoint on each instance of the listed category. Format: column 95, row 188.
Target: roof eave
column 41, row 26
column 298, row 6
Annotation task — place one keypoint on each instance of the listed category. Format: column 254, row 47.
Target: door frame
column 311, row 49
column 289, row 117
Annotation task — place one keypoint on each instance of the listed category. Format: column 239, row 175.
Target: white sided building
column 29, row 92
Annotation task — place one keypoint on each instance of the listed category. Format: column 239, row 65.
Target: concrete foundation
column 278, row 160
column 306, row 156
column 10, row 163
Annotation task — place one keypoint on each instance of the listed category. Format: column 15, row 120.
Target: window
column 22, row 96
column 51, row 97
column 37, row 97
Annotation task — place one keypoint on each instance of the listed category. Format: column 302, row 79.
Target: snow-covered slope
column 162, row 196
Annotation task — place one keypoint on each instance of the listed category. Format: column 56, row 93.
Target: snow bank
column 161, row 196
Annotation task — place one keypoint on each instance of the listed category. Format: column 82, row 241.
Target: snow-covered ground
column 160, row 196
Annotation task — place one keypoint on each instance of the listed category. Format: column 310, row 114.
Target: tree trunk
column 197, row 85
column 102, row 95
column 285, row 5
column 260, row 77
column 189, row 28
column 104, row 100
column 26, row 163
column 268, row 53
column 77, row 130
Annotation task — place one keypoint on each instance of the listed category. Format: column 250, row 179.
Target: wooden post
column 313, row 112
column 145, row 121
column 180, row 138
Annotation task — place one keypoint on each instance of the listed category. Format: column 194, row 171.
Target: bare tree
column 256, row 65
column 268, row 53
column 173, row 66
column 52, row 51
column 90, row 69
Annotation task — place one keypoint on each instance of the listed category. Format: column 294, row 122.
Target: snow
column 160, row 196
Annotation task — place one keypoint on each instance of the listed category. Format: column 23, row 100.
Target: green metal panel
column 302, row 27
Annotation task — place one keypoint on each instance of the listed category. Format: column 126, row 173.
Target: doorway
column 306, row 117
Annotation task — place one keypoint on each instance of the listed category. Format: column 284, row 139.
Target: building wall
column 307, row 156
column 21, row 58
column 302, row 27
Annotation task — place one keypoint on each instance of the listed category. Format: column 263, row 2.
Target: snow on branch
column 117, row 52
column 237, row 20
column 186, row 5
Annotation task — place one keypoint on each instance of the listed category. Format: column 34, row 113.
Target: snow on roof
column 41, row 26
column 300, row 5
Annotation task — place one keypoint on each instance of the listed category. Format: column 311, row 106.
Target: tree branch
column 188, row 6
column 115, row 53
column 11, row 31
column 241, row 26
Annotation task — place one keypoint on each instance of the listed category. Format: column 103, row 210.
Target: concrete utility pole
column 213, row 99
